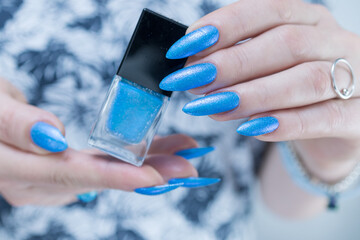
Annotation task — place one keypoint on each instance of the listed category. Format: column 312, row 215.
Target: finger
column 290, row 45
column 301, row 85
column 7, row 88
column 171, row 144
column 19, row 196
column 29, row 128
column 333, row 118
column 80, row 170
column 245, row 19
column 172, row 167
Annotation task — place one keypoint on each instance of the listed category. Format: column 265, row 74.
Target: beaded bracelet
column 303, row 178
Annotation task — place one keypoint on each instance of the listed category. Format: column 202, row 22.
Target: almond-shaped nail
column 193, row 42
column 87, row 197
column 190, row 77
column 258, row 126
column 48, row 137
column 191, row 153
column 212, row 104
column 193, row 182
column 156, row 190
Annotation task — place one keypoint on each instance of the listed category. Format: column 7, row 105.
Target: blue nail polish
column 212, row 104
column 258, row 126
column 135, row 104
column 48, row 137
column 194, row 152
column 194, row 42
column 87, row 197
column 194, row 182
column 189, row 77
column 158, row 189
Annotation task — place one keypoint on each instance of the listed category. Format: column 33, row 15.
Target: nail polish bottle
column 134, row 105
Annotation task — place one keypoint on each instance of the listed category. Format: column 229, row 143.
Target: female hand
column 37, row 168
column 281, row 73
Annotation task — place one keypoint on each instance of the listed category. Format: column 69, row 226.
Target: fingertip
column 48, row 137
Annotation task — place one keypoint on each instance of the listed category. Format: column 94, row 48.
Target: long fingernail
column 189, row 77
column 193, row 182
column 194, row 152
column 158, row 189
column 258, row 126
column 212, row 104
column 87, row 197
column 48, row 137
column 193, row 42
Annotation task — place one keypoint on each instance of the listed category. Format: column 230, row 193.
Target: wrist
column 326, row 164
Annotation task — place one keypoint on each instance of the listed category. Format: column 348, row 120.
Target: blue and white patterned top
column 63, row 55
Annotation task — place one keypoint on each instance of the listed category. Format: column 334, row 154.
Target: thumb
column 29, row 128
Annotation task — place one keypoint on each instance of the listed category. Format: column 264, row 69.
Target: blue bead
column 212, row 104
column 194, row 152
column 133, row 111
column 193, row 42
column 332, row 204
column 258, row 126
column 189, row 77
column 87, row 197
column 48, row 137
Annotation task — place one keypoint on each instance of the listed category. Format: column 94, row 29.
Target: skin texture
column 283, row 71
column 57, row 178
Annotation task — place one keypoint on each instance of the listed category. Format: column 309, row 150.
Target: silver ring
column 344, row 93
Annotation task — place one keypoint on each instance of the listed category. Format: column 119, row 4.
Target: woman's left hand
column 276, row 56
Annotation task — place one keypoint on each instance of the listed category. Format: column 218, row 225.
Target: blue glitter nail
column 194, row 152
column 87, row 197
column 189, row 77
column 212, row 104
column 158, row 189
column 194, row 42
column 48, row 137
column 193, row 182
column 258, row 126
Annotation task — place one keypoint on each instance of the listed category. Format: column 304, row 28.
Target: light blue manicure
column 158, row 189
column 48, row 137
column 87, row 197
column 193, row 182
column 212, row 104
column 194, row 152
column 193, row 42
column 258, row 126
column 189, row 77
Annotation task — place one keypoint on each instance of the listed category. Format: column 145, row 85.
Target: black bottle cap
column 144, row 62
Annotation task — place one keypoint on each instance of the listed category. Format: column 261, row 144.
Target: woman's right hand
column 37, row 167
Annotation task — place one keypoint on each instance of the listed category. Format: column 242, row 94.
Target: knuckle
column 283, row 9
column 318, row 78
column 106, row 179
column 294, row 38
column 301, row 125
column 336, row 116
column 6, row 120
column 322, row 10
column 240, row 61
column 61, row 178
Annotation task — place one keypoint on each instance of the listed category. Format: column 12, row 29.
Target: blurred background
column 343, row 223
